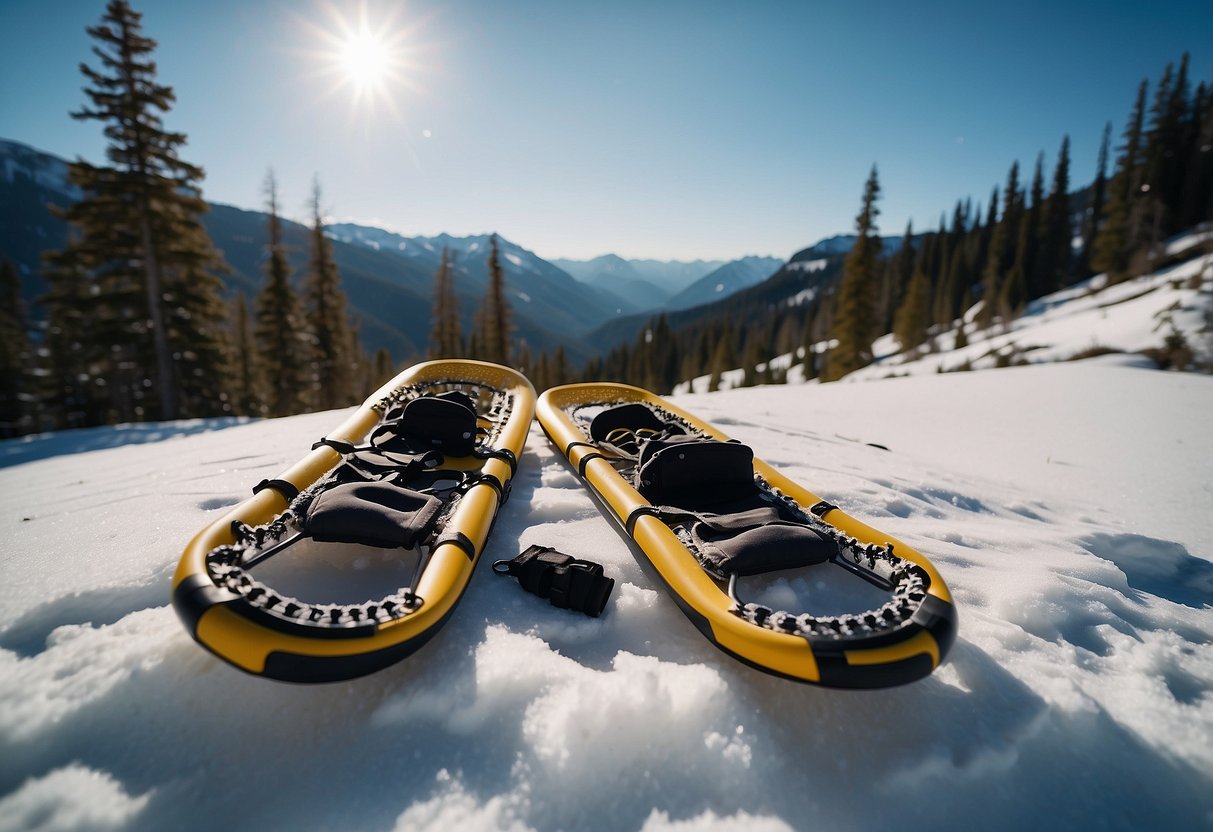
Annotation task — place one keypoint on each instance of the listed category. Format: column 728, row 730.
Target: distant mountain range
column 807, row 273
column 658, row 280
column 388, row 278
column 724, row 281
column 588, row 306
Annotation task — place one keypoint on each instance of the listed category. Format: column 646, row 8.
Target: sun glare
column 366, row 59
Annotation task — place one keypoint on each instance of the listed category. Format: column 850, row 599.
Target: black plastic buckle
column 567, row 582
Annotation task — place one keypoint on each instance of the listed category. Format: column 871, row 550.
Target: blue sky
column 670, row 130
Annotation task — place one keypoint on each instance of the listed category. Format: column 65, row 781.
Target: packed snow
column 1067, row 506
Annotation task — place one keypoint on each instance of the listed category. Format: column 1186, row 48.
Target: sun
column 366, row 57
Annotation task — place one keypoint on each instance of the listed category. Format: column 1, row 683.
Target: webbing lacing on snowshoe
column 388, row 493
column 710, row 511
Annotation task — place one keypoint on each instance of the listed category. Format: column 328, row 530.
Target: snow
column 802, row 297
column 1067, row 505
column 809, row 266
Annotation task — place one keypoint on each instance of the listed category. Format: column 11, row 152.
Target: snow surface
column 1068, row 506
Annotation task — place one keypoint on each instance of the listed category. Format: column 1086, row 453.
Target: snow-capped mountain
column 19, row 161
column 550, row 293
column 724, row 281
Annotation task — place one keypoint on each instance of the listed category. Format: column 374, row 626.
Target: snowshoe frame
column 902, row 641
column 266, row 634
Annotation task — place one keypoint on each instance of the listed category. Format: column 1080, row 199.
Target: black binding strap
column 629, row 524
column 822, row 508
column 568, row 583
column 568, row 451
column 283, row 487
column 458, row 539
column 503, row 490
column 500, row 453
column 585, row 460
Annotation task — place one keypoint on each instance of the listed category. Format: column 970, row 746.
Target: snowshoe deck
column 704, row 512
column 439, row 444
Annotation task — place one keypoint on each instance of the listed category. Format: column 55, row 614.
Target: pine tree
column 855, row 324
column 383, row 369
column 1002, row 248
column 723, row 357
column 542, row 377
column 1094, row 216
column 953, row 281
column 16, row 357
column 446, row 337
column 1114, row 245
column 753, row 357
column 326, row 310
column 138, row 251
column 282, row 338
column 494, row 317
column 1196, row 201
column 560, row 366
column 962, row 340
column 913, row 316
column 248, row 381
column 665, row 359
column 1056, row 232
column 1021, row 284
column 899, row 270
column 75, row 388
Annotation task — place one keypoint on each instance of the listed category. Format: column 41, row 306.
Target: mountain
column 637, row 279
column 539, row 291
column 724, row 281
column 388, row 278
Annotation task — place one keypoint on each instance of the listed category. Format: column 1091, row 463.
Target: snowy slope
column 1067, row 506
column 1086, row 319
column 1128, row 317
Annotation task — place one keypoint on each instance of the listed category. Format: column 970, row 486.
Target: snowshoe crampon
column 422, row 466
column 705, row 513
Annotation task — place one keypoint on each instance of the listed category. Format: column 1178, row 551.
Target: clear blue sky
column 648, row 129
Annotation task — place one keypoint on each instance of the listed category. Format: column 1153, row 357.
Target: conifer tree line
column 137, row 327
column 1019, row 248
column 492, row 334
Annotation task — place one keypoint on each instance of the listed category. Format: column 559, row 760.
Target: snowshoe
column 704, row 513
column 423, row 465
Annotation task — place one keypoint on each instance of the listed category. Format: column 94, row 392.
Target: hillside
column 1077, row 696
column 1135, row 317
